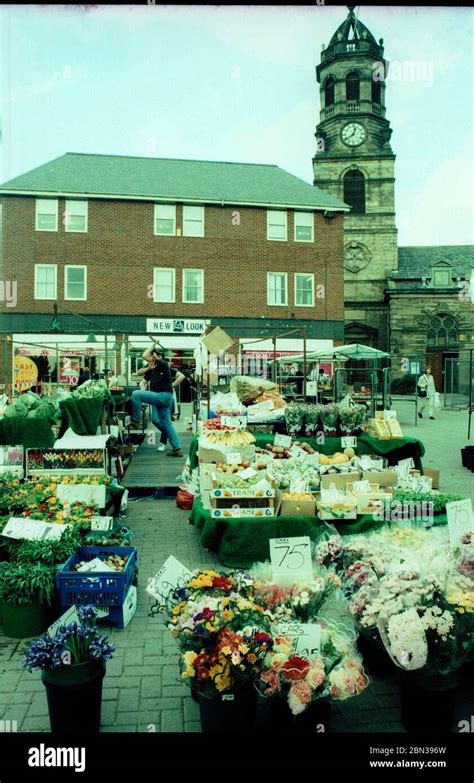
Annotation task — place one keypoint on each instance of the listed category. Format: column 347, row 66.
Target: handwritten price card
column 460, row 520
column 291, row 557
column 348, row 441
column 307, row 636
column 171, row 575
column 282, row 440
column 84, row 493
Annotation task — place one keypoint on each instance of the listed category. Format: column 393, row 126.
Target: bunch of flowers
column 294, row 418
column 71, row 644
column 351, row 418
column 335, row 673
column 329, row 416
column 70, row 458
column 285, row 599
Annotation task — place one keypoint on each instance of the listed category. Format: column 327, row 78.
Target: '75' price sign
column 291, row 556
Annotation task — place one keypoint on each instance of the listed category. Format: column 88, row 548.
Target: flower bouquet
column 294, row 417
column 312, row 419
column 286, row 599
column 351, row 419
column 329, row 415
column 335, row 673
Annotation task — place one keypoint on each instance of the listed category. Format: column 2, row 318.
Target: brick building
column 140, row 245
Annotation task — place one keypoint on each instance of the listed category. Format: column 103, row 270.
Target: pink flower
column 299, row 696
column 271, row 679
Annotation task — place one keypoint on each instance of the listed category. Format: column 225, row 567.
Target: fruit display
column 305, row 446
column 228, row 437
column 112, row 561
column 297, row 496
column 234, row 481
column 214, row 424
column 335, row 459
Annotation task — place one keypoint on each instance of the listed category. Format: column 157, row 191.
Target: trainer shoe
column 175, row 453
column 161, row 447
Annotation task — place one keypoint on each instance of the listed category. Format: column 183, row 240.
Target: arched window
column 329, row 91
column 376, row 92
column 354, row 191
column 442, row 330
column 352, row 86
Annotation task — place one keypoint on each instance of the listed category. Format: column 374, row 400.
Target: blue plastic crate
column 100, row 589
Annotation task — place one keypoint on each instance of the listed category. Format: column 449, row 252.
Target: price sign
column 84, row 493
column 291, row 556
column 282, row 440
column 362, row 486
column 124, row 501
column 248, row 473
column 102, row 523
column 460, row 520
column 390, row 415
column 171, row 575
column 307, row 637
column 348, row 441
column 236, row 422
column 233, row 458
column 32, row 529
column 298, row 485
column 406, row 464
column 298, row 454
column 68, row 617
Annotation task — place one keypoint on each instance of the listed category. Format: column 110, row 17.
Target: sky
column 238, row 83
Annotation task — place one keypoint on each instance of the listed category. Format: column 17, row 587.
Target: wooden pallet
column 151, row 469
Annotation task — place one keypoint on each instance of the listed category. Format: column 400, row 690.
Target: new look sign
column 176, row 325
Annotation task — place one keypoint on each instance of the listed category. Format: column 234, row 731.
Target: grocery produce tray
column 107, row 588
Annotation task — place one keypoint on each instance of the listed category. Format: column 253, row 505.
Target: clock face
column 353, row 134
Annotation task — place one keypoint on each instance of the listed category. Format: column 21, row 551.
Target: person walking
column 177, row 377
column 426, row 393
column 160, row 397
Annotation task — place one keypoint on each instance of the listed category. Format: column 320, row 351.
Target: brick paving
column 142, row 689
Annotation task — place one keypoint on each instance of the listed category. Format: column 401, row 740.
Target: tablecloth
column 30, row 433
column 240, row 542
column 83, row 415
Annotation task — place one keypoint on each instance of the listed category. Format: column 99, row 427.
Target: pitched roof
column 171, row 179
column 416, row 262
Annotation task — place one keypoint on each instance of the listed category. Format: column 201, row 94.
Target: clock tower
column 354, row 162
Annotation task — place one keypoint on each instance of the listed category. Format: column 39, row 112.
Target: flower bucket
column 428, row 703
column 313, row 720
column 376, row 658
column 75, row 697
column 22, row 621
column 228, row 713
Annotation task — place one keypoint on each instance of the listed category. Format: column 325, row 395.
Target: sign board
column 291, row 556
column 348, row 441
column 248, row 473
column 297, row 453
column 102, row 523
column 34, row 530
column 176, row 325
column 405, row 465
column 390, row 415
column 298, row 485
column 124, row 501
column 460, row 520
column 282, row 440
column 307, row 636
column 69, row 370
column 233, row 458
column 171, row 575
column 84, row 493
column 237, row 422
column 68, row 617
column 129, row 605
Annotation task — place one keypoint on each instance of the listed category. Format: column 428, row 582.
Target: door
column 434, row 360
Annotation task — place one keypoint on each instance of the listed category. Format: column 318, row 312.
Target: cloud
column 441, row 212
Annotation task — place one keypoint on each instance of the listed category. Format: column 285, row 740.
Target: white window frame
column 310, row 217
column 271, row 212
column 279, row 304
column 75, row 298
column 70, row 211
column 49, row 266
column 164, row 269
column 38, row 211
column 172, row 210
column 193, row 301
column 304, row 274
column 186, row 209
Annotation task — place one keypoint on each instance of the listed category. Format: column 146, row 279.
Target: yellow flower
column 226, row 650
column 223, row 682
column 251, row 658
column 243, row 648
column 227, row 615
column 216, row 670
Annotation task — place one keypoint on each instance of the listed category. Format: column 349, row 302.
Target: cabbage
column 16, row 409
column 45, row 410
column 30, row 399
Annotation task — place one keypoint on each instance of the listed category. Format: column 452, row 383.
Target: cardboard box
column 385, row 478
column 394, row 429
column 325, row 508
column 216, row 454
column 434, row 474
column 369, row 503
column 294, row 508
column 340, row 480
column 230, row 513
column 266, row 490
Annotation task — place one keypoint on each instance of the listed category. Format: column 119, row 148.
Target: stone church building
column 415, row 302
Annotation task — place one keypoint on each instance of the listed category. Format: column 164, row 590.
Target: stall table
column 30, row 433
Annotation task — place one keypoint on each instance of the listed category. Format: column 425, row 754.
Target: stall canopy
column 342, row 353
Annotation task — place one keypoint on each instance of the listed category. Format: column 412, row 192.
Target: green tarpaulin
column 393, row 450
column 30, row 433
column 240, row 542
column 83, row 415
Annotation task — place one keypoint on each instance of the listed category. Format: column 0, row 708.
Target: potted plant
column 73, row 666
column 26, row 591
column 329, row 415
column 51, row 552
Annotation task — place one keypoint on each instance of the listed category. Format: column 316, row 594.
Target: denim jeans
column 162, row 407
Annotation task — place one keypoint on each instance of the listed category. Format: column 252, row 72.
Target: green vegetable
column 16, row 409
column 30, row 399
column 24, row 583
